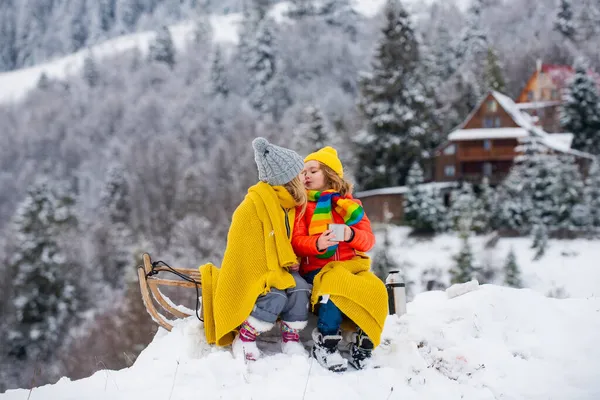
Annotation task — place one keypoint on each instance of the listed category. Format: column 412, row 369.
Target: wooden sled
column 152, row 275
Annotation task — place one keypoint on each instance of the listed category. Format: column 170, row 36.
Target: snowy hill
column 490, row 343
column 568, row 269
column 14, row 85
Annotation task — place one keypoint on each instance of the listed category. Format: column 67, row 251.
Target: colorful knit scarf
column 348, row 209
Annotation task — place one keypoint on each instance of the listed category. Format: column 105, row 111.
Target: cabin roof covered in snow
column 487, row 133
column 558, row 141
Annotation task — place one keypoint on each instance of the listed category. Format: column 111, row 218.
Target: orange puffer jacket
column 305, row 246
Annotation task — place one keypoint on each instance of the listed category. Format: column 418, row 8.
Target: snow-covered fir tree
column 45, row 297
column 91, row 74
column 472, row 49
column 267, row 91
column 487, row 200
column 423, row 209
column 340, row 13
column 314, row 132
column 218, row 80
column 540, row 239
column 512, row 273
column 513, row 205
column 493, row 73
column 394, row 104
column 580, row 113
column 383, row 262
column 464, row 269
column 8, row 31
column 162, row 49
column 301, row 9
column 467, row 209
column 592, row 196
column 564, row 22
column 568, row 193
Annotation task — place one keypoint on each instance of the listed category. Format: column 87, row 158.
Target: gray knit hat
column 276, row 165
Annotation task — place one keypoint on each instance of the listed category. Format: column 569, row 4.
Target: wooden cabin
column 544, row 93
column 484, row 144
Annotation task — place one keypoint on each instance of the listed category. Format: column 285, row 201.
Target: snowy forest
column 150, row 151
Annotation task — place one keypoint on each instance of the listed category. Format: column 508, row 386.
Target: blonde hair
column 335, row 182
column 296, row 188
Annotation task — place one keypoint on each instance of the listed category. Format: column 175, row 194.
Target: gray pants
column 292, row 304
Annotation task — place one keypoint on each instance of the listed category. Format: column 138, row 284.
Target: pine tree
column 563, row 22
column 301, row 8
column 8, row 32
column 472, row 50
column 466, row 209
column 512, row 274
column 315, row 132
column 79, row 25
column 568, row 193
column 382, row 262
column 487, row 200
column 464, row 270
column 340, row 13
column 395, row 106
column 44, row 294
column 493, row 73
column 251, row 18
column 540, row 239
column 127, row 14
column 267, row 92
column 218, row 82
column 423, row 209
column 90, row 70
column 580, row 113
column 162, row 49
column 114, row 239
column 592, row 195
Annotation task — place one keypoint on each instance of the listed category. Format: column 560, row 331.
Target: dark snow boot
column 361, row 350
column 326, row 353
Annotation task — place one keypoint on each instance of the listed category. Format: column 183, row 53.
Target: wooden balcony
column 481, row 154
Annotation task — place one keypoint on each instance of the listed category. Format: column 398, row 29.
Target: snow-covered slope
column 491, row 343
column 568, row 269
column 14, row 85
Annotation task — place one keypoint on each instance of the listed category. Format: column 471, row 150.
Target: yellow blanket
column 356, row 291
column 256, row 259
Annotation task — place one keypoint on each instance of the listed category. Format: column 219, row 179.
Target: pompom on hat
column 276, row 165
column 328, row 156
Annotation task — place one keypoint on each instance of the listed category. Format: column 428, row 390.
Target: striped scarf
column 348, row 209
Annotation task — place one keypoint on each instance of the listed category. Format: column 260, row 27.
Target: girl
column 330, row 201
column 258, row 281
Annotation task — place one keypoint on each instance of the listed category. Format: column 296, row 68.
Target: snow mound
column 490, row 343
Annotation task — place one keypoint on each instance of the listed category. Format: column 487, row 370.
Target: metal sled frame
column 150, row 281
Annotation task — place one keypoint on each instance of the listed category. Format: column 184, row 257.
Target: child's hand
column 347, row 233
column 325, row 241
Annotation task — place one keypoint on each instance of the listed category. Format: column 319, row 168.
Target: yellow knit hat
column 328, row 156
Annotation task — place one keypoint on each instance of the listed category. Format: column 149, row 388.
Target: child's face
column 313, row 176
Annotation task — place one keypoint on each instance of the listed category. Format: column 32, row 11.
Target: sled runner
column 152, row 275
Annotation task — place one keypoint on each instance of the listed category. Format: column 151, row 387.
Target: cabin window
column 492, row 106
column 555, row 94
column 449, row 170
column 487, row 169
column 497, row 122
column 487, row 144
column 450, row 150
column 488, row 122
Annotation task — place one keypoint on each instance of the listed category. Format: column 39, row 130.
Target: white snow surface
column 568, row 266
column 487, row 133
column 490, row 343
column 471, row 341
